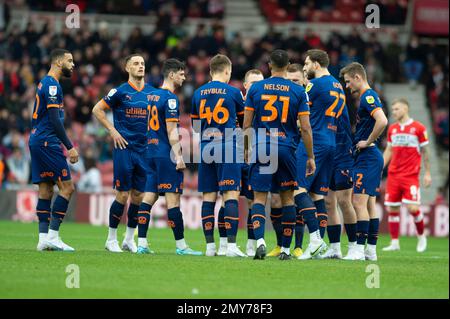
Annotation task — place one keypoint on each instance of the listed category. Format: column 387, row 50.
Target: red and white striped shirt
column 406, row 141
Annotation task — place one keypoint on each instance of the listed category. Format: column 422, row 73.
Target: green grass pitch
column 26, row 273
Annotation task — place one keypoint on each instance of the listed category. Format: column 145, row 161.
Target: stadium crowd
column 24, row 60
column 391, row 11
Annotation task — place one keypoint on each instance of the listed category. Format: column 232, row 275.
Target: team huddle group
column 319, row 162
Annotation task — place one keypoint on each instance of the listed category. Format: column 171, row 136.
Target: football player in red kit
column 407, row 140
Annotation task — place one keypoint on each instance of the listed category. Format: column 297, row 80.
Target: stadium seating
column 17, row 88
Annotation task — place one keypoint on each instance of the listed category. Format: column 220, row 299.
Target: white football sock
column 181, row 244
column 260, row 242
column 315, row 236
column 112, row 233
column 231, row 246
column 211, row 246
column 130, row 234
column 42, row 236
column 142, row 242
column 336, row 246
column 223, row 241
column 286, row 250
column 52, row 234
column 251, row 242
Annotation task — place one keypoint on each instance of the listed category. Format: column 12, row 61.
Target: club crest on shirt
column 172, row 104
column 370, row 99
column 309, row 87
column 52, row 90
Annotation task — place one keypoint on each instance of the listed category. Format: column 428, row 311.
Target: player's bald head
column 251, row 77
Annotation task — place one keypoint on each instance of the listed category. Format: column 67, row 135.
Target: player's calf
column 308, row 210
column 259, row 222
column 288, row 224
column 251, row 241
column 208, row 227
column 322, row 216
column 275, row 217
column 115, row 214
column 143, row 217
column 59, row 211
column 222, row 232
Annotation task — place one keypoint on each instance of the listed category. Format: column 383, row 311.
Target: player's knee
column 344, row 203
column 172, row 200
column 46, row 192
column 412, row 208
column 287, row 198
column 209, row 197
column 68, row 188
column 316, row 197
column 136, row 197
column 358, row 203
column 150, row 198
column 122, row 197
column 230, row 195
column 260, row 198
column 275, row 201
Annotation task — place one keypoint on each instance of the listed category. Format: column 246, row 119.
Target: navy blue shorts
column 163, row 177
column 284, row 178
column 214, row 177
column 341, row 179
column 48, row 164
column 367, row 171
column 130, row 170
column 342, row 175
column 319, row 182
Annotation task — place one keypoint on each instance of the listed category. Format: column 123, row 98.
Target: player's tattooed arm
column 174, row 140
column 426, row 163
column 99, row 112
column 387, row 155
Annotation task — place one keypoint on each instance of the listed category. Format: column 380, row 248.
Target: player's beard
column 310, row 74
column 66, row 72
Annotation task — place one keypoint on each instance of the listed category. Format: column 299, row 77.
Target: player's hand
column 73, row 155
column 180, row 163
column 310, row 167
column 119, row 141
column 362, row 145
column 427, row 180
